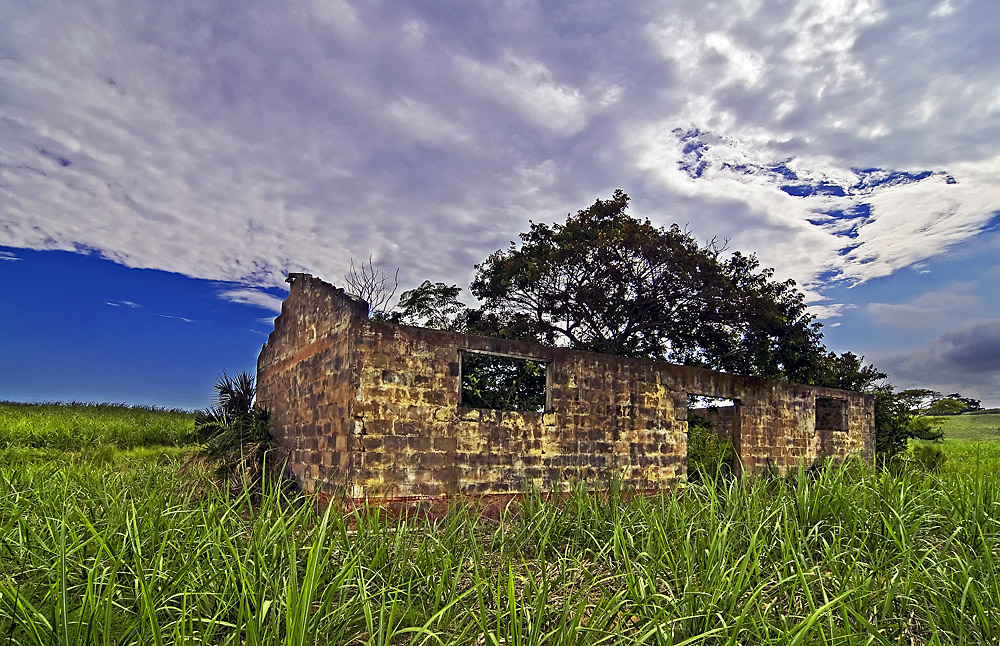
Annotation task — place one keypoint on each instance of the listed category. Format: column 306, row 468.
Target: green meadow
column 109, row 534
column 981, row 426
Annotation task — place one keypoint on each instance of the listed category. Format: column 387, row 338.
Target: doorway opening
column 713, row 438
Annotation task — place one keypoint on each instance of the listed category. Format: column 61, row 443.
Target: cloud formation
column 240, row 142
column 928, row 310
column 966, row 359
column 253, row 297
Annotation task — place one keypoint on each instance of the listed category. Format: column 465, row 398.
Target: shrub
column 709, row 454
column 236, row 436
column 929, row 457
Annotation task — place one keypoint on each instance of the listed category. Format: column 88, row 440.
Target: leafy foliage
column 947, row 406
column 930, row 402
column 502, row 383
column 929, row 457
column 236, row 433
column 709, row 454
column 607, row 282
column 970, row 403
column 433, row 305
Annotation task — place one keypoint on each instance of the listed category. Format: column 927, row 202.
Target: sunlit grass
column 77, row 426
column 123, row 549
column 983, row 427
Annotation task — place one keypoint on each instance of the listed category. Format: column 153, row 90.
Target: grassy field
column 75, row 427
column 972, row 427
column 118, row 544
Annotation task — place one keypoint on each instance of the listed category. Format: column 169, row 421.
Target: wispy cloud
column 177, row 318
column 528, row 87
column 128, row 304
column 927, row 310
column 253, row 297
column 9, row 256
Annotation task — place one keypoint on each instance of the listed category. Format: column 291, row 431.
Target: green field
column 972, row 427
column 114, row 540
column 75, row 427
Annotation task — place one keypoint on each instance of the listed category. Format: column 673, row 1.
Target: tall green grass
column 97, row 555
column 124, row 546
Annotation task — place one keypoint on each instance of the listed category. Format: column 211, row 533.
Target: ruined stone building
column 375, row 409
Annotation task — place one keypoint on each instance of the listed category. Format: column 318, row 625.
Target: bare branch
column 371, row 284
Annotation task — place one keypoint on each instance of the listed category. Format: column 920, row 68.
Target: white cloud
column 241, row 144
column 422, row 122
column 177, row 318
column 823, row 311
column 916, row 221
column 906, row 222
column 253, row 297
column 128, row 304
column 339, row 15
column 528, row 87
column 9, row 256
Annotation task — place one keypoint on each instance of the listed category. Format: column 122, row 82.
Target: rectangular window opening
column 500, row 382
column 831, row 414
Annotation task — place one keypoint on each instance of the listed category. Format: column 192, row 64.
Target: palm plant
column 236, row 433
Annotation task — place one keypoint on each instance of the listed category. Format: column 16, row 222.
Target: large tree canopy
column 607, row 282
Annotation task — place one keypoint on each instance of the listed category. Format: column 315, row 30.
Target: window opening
column 831, row 414
column 500, row 382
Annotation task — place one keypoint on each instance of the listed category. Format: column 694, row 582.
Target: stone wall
column 307, row 376
column 373, row 409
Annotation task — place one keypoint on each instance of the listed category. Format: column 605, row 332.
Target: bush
column 709, row 455
column 929, row 457
column 236, row 436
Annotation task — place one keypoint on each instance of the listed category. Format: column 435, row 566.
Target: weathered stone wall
column 306, row 375
column 605, row 419
column 373, row 409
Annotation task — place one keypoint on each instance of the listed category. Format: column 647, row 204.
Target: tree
column 919, row 400
column 846, row 371
column 970, row 403
column 433, row 305
column 607, row 282
column 947, row 406
column 490, row 381
column 930, row 402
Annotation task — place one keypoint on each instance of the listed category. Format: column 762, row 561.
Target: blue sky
column 177, row 159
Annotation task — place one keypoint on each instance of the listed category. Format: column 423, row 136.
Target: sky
column 164, row 165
